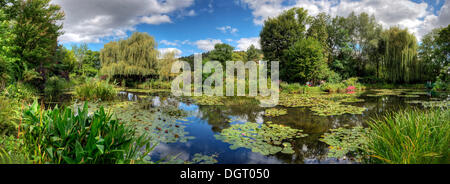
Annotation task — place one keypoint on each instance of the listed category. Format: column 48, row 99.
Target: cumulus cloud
column 207, row 45
column 416, row 16
column 91, row 21
column 165, row 42
column 245, row 43
column 163, row 51
column 228, row 29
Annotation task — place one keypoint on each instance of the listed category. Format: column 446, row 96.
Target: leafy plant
column 275, row 112
column 13, row 151
column 64, row 136
column 9, row 116
column 20, row 91
column 55, row 86
column 95, row 89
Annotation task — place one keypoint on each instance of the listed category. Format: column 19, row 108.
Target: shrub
column 95, row 90
column 13, row 151
column 65, row 137
column 20, row 91
column 8, row 116
column 54, row 86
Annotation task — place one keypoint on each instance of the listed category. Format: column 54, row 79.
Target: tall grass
column 9, row 116
column 95, row 89
column 411, row 137
column 62, row 136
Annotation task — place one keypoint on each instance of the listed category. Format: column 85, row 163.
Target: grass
column 95, row 89
column 411, row 137
column 9, row 116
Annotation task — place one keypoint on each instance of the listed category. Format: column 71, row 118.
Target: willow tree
column 133, row 58
column 400, row 56
column 165, row 66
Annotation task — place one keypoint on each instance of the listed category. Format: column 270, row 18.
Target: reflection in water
column 206, row 121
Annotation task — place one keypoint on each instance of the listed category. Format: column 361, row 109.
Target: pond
column 185, row 129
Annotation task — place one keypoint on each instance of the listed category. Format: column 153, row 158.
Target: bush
column 95, row 90
column 20, row 91
column 13, row 151
column 54, row 86
column 9, row 116
column 67, row 137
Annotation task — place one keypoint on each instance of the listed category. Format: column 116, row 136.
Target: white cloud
column 207, row 45
column 156, row 19
column 91, row 21
column 165, row 42
column 417, row 17
column 228, row 29
column 245, row 43
column 163, row 51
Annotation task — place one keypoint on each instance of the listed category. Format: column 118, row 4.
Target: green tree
column 318, row 30
column 222, row 52
column 7, row 58
column 253, row 54
column 280, row 33
column 134, row 58
column 400, row 56
column 239, row 56
column 37, row 26
column 165, row 66
column 305, row 61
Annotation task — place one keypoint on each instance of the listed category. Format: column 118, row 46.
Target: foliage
column 135, row 56
column 400, row 56
column 222, row 52
column 95, row 89
column 280, row 33
column 9, row 116
column 20, row 91
column 275, row 112
column 336, row 108
column 55, row 86
column 65, row 137
column 253, row 54
column 266, row 139
column 13, row 151
column 347, row 142
column 165, row 66
column 37, row 27
column 304, row 61
column 411, row 137
column 155, row 84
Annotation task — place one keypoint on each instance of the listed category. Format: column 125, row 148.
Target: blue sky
column 194, row 26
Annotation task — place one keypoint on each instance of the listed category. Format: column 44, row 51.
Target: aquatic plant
column 209, row 100
column 411, row 137
column 162, row 124
column 351, row 100
column 289, row 100
column 274, row 112
column 336, row 108
column 347, row 143
column 266, row 138
column 95, row 89
column 64, row 136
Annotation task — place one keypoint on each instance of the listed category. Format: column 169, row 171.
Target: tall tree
column 37, row 28
column 222, row 52
column 135, row 57
column 400, row 56
column 253, row 53
column 281, row 32
column 318, row 30
column 305, row 61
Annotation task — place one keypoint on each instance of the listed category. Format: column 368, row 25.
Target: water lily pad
column 275, row 112
column 336, row 108
column 266, row 138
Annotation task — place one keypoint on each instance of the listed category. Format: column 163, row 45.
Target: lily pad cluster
column 336, row 108
column 303, row 100
column 345, row 142
column 162, row 124
column 274, row 112
column 351, row 100
column 431, row 104
column 266, row 139
column 209, row 100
